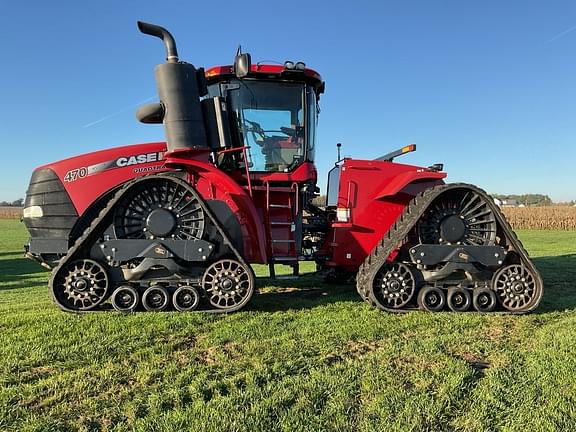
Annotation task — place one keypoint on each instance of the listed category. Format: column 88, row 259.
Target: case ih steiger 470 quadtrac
column 177, row 224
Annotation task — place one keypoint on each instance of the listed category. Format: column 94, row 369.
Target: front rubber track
column 104, row 218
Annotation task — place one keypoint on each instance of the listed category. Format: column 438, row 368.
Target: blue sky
column 488, row 88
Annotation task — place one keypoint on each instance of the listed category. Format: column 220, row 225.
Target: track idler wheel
column 484, row 300
column 516, row 287
column 459, row 299
column 125, row 298
column 394, row 285
column 431, row 299
column 82, row 285
column 155, row 298
column 228, row 284
column 186, row 298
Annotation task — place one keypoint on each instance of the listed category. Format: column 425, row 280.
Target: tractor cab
column 271, row 113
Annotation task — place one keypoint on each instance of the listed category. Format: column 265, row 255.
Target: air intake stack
column 180, row 86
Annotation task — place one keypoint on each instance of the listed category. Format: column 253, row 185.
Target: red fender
column 214, row 184
column 375, row 194
column 399, row 182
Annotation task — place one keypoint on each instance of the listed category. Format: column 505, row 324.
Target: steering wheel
column 296, row 132
column 288, row 131
column 255, row 129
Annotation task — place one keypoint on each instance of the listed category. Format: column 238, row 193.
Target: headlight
column 33, row 212
column 342, row 214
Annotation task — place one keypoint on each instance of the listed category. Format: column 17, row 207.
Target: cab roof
column 267, row 71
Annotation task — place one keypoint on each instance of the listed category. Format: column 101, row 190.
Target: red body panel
column 375, row 193
column 88, row 177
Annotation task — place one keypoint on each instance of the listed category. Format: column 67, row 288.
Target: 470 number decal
column 75, row 174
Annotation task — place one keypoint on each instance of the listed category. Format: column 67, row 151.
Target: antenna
column 239, row 50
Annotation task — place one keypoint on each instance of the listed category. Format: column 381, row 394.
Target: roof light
column 288, row 65
column 300, row 66
column 409, row 148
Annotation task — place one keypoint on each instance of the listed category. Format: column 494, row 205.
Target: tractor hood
column 90, row 175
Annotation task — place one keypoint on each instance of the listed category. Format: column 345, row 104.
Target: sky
column 487, row 88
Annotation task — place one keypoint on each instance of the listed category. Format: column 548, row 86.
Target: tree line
column 17, row 203
column 526, row 199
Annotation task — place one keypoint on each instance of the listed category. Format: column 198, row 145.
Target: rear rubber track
column 407, row 221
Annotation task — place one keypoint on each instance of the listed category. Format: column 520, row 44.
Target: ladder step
column 284, row 259
column 280, row 223
column 286, row 277
column 286, row 206
column 283, row 241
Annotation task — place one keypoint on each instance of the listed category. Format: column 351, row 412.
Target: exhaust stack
column 180, row 86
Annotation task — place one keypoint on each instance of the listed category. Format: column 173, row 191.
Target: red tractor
column 178, row 223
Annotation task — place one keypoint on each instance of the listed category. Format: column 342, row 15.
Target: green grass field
column 303, row 357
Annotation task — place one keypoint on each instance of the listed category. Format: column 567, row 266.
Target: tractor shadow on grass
column 306, row 292
column 559, row 275
column 19, row 272
column 310, row 290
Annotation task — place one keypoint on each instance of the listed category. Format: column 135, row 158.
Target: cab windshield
column 269, row 118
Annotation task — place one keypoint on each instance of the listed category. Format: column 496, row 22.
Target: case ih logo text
column 139, row 159
column 121, row 162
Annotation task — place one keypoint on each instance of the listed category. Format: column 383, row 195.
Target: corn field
column 10, row 212
column 554, row 217
column 540, row 218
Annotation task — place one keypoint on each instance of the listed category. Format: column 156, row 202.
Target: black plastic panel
column 59, row 215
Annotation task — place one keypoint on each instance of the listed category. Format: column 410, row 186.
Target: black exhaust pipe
column 179, row 92
column 162, row 33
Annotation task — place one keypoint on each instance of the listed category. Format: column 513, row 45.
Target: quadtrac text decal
column 121, row 162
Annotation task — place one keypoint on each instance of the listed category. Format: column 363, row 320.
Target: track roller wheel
column 228, row 284
column 125, row 298
column 394, row 285
column 155, row 298
column 431, row 299
column 186, row 298
column 484, row 300
column 81, row 285
column 459, row 299
column 516, row 287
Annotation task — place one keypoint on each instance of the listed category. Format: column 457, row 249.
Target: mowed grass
column 304, row 356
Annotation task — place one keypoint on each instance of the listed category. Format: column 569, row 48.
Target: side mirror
column 151, row 113
column 242, row 65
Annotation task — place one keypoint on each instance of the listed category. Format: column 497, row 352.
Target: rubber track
column 92, row 231
column 404, row 224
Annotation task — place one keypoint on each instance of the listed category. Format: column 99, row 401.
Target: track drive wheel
column 125, row 298
column 228, row 284
column 458, row 216
column 81, row 285
column 517, row 288
column 431, row 299
column 160, row 208
column 459, row 299
column 155, row 298
column 394, row 285
column 186, row 298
